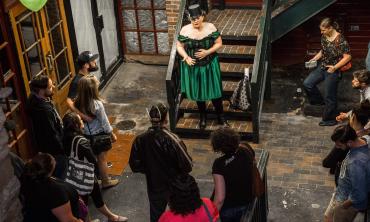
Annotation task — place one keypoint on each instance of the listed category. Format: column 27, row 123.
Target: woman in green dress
column 200, row 71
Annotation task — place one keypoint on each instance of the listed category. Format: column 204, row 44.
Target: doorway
column 96, row 28
column 43, row 47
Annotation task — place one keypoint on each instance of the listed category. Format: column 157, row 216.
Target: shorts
column 338, row 213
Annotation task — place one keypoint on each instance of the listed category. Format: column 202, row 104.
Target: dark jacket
column 47, row 125
column 157, row 154
column 334, row 161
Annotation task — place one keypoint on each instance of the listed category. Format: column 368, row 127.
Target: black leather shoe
column 328, row 123
column 202, row 121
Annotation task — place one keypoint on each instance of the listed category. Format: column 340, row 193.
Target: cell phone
column 310, row 64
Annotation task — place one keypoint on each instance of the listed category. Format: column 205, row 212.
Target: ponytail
column 329, row 22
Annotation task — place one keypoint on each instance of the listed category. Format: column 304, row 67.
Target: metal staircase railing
column 261, row 67
column 173, row 73
column 295, row 15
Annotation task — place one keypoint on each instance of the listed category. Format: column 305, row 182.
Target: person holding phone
column 334, row 54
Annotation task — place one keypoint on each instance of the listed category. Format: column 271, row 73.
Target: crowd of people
column 349, row 160
column 84, row 134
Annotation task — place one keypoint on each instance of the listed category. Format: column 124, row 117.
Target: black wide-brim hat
column 195, row 11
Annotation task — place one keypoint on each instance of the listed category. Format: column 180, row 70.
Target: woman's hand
column 189, row 61
column 331, row 69
column 201, row 53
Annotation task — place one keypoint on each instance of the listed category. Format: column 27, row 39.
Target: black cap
column 195, row 11
column 86, row 57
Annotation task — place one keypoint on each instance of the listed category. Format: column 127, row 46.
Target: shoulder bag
column 210, row 218
column 80, row 174
column 348, row 65
column 100, row 142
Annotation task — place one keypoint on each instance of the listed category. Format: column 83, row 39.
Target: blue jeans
column 368, row 58
column 314, row 96
column 232, row 214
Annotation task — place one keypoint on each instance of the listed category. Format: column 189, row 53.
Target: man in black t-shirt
column 86, row 63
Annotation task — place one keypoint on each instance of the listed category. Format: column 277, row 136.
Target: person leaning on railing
column 232, row 174
column 334, row 54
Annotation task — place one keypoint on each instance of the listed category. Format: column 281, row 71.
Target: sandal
column 119, row 219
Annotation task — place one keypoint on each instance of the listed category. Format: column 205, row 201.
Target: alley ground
column 299, row 188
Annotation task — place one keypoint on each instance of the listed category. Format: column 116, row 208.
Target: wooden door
column 14, row 105
column 43, row 47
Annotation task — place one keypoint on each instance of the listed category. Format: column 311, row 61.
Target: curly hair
column 39, row 167
column 225, row 140
column 184, row 195
column 363, row 76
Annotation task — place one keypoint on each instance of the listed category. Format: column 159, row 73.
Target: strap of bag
column 207, row 211
column 74, row 146
column 178, row 142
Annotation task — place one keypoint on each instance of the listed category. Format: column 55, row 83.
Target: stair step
column 249, row 40
column 189, row 106
column 236, row 58
column 235, row 67
column 229, row 86
column 189, row 124
column 237, row 49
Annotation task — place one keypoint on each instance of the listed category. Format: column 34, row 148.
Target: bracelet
column 185, row 58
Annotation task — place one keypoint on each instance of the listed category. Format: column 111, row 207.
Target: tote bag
column 80, row 174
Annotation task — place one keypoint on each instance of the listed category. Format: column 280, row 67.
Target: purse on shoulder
column 348, row 65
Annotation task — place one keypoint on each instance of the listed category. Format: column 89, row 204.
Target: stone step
column 189, row 106
column 189, row 124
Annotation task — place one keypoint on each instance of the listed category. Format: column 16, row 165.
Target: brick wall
column 10, row 207
column 172, row 9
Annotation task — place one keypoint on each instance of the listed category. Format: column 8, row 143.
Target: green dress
column 202, row 81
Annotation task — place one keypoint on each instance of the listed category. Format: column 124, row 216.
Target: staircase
column 242, row 40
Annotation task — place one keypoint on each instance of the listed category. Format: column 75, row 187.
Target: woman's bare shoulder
column 186, row 30
column 210, row 27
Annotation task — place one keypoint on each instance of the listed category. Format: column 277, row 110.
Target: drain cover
column 126, row 125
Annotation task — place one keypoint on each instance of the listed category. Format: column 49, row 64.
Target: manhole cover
column 126, row 125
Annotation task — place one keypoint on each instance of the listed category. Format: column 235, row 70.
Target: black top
column 334, row 161
column 236, row 169
column 47, row 125
column 332, row 52
column 156, row 154
column 72, row 93
column 42, row 196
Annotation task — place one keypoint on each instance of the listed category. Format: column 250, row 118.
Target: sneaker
column 328, row 123
column 109, row 183
column 109, row 164
column 119, row 219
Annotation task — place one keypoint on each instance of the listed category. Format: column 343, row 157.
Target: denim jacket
column 100, row 123
column 354, row 178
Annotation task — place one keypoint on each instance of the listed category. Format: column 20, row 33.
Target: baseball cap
column 86, row 57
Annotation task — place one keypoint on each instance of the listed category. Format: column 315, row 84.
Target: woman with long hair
column 334, row 54
column 47, row 198
column 186, row 205
column 73, row 127
column 89, row 102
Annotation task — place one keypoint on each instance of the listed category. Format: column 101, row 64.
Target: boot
column 202, row 121
column 222, row 121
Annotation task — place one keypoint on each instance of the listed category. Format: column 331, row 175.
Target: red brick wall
column 172, row 8
column 299, row 44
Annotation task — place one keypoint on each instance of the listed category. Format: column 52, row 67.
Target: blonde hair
column 87, row 93
column 328, row 22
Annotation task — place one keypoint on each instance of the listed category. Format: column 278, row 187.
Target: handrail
column 261, row 66
column 173, row 76
column 257, row 210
